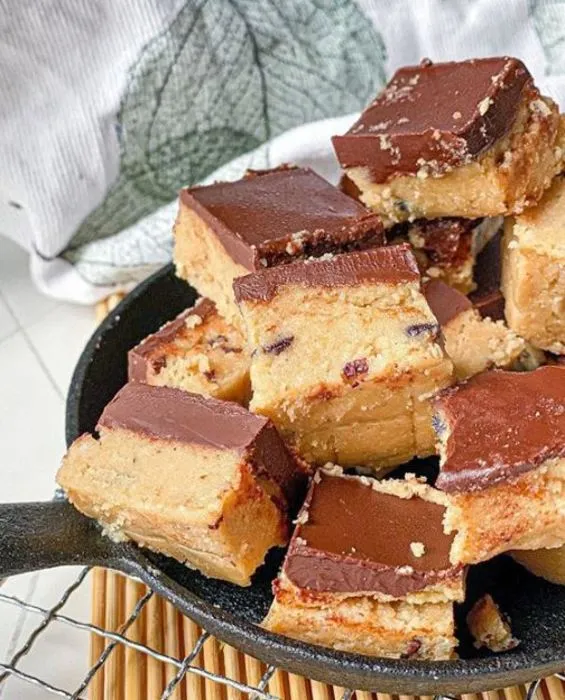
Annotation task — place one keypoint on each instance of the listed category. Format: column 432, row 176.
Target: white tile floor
column 40, row 340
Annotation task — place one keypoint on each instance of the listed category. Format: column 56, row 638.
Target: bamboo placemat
column 128, row 674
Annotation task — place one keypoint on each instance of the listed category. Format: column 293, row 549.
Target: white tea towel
column 109, row 107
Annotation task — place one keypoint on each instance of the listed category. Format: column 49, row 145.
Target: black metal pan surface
column 43, row 535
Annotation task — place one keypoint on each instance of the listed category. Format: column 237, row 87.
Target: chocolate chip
column 216, row 524
column 217, row 340
column 279, row 345
column 414, row 646
column 438, row 425
column 355, row 368
column 419, row 328
column 229, row 348
column 210, row 375
column 159, row 363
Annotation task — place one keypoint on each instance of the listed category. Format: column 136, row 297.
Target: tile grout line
column 10, row 335
column 13, row 315
column 32, row 347
column 30, row 344
column 42, row 364
column 10, row 310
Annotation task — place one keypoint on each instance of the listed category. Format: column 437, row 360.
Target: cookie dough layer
column 474, row 344
column 344, row 356
column 547, row 563
column 375, row 588
column 533, row 278
column 502, row 446
column 199, row 352
column 397, row 629
column 267, row 218
column 201, row 480
column 490, row 149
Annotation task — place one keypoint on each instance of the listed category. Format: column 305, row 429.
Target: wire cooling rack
column 110, row 640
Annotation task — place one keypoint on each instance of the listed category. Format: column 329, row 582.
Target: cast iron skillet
column 43, row 535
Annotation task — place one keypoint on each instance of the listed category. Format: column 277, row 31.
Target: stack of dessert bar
column 341, row 333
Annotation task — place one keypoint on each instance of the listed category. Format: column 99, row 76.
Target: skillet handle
column 45, row 535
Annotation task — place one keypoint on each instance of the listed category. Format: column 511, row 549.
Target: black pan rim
column 455, row 676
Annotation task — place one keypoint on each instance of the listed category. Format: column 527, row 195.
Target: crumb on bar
column 489, row 627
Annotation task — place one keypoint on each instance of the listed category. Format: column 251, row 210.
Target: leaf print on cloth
column 226, row 76
column 549, row 23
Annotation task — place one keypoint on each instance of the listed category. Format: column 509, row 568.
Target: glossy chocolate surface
column 353, row 539
column 388, row 265
column 445, row 302
column 173, row 414
column 274, row 216
column 500, row 425
column 435, row 116
column 149, row 350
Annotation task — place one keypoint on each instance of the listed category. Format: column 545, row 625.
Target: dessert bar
column 267, row 218
column 473, row 343
column 382, row 585
column 533, row 271
column 198, row 479
column 447, row 248
column 502, row 461
column 344, row 355
column 198, row 351
column 470, row 138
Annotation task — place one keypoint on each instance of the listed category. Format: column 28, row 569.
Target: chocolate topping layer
column 387, row 265
column 500, row 425
column 435, row 116
column 447, row 242
column 491, row 305
column 348, row 187
column 356, row 539
column 273, row 216
column 445, row 302
column 487, row 298
column 154, row 347
column 164, row 413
